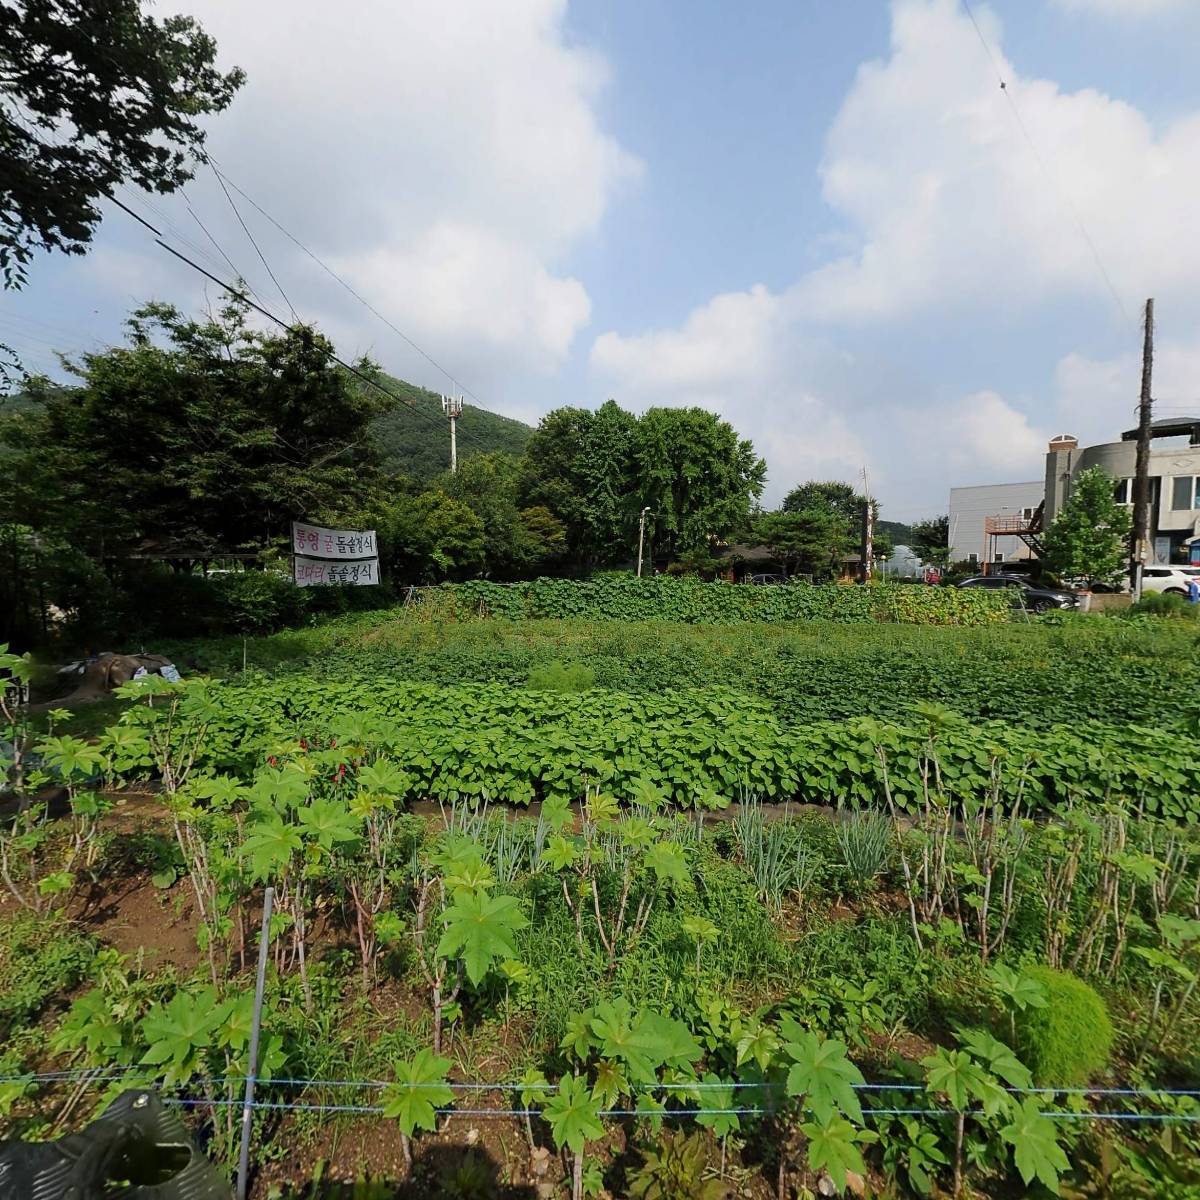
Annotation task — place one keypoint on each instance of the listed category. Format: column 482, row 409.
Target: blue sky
column 822, row 220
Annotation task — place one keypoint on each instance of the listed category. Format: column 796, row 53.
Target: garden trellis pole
column 264, row 943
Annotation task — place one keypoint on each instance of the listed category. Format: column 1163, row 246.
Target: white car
column 1174, row 580
column 1158, row 579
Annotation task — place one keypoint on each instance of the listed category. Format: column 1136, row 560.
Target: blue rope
column 670, row 1113
column 110, row 1073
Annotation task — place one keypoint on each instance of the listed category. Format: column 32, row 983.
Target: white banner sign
column 321, row 572
column 315, row 542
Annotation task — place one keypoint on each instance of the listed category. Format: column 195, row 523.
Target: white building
column 976, row 511
column 1174, row 480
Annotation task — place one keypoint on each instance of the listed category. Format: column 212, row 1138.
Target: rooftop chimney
column 1064, row 441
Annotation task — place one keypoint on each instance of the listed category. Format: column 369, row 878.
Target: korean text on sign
column 317, row 542
column 319, row 572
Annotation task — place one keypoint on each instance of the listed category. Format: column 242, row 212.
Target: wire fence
column 137, row 1075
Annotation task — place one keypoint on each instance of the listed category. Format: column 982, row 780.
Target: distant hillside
column 412, row 443
column 900, row 533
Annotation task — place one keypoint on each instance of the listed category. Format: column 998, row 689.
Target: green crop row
column 1088, row 669
column 665, row 598
column 694, row 748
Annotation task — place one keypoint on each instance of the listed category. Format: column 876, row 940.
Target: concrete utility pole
column 868, row 531
column 1139, row 543
column 452, row 406
column 641, row 538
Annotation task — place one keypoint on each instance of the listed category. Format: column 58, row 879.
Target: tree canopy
column 930, row 540
column 204, row 434
column 596, row 470
column 1089, row 537
column 91, row 96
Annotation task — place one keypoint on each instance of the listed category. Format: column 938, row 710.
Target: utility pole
column 868, row 531
column 452, row 406
column 641, row 538
column 1140, row 537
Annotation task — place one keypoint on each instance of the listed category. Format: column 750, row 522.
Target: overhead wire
column 329, row 354
column 338, row 279
column 222, row 179
column 1063, row 196
column 160, row 237
column 257, row 250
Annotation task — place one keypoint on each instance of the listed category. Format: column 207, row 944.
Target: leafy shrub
column 562, row 677
column 1164, row 604
column 676, row 1170
column 1069, row 1040
column 700, row 748
column 40, row 958
column 664, row 598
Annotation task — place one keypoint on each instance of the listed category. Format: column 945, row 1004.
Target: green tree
column 578, row 466
column 930, row 541
column 831, row 494
column 95, row 95
column 697, row 476
column 202, row 435
column 1089, row 538
column 810, row 542
column 518, row 541
column 431, row 537
column 595, row 471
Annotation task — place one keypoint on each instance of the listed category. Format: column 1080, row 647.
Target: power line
column 1062, row 194
column 253, row 303
column 337, row 278
column 329, row 354
column 257, row 251
column 159, row 236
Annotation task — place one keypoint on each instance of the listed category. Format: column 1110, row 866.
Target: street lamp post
column 641, row 538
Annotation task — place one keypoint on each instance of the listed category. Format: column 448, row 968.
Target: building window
column 1027, row 514
column 1183, row 492
column 1123, row 492
column 973, row 559
column 999, row 556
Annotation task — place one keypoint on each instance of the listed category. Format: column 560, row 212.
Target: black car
column 1031, row 595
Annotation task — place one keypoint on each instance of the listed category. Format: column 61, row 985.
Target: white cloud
column 1095, row 399
column 492, row 292
column 929, row 162
column 443, row 157
column 954, row 217
column 987, row 437
column 721, row 344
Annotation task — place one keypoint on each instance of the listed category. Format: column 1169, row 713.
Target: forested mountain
column 899, row 532
column 414, row 438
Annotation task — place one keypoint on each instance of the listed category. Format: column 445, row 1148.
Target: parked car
column 1173, row 580
column 1030, row 595
column 768, row 579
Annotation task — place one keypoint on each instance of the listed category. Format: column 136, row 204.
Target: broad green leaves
column 833, row 1147
column 420, row 1088
column 823, row 1077
column 70, row 756
column 699, row 927
column 1034, row 1139
column 479, row 929
column 643, row 1041
column 269, row 845
column 573, row 1114
column 957, row 1076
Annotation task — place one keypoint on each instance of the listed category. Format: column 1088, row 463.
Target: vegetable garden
column 569, row 903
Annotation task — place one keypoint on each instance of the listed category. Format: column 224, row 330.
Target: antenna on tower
column 452, row 406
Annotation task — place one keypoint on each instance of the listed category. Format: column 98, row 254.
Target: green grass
column 1088, row 669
